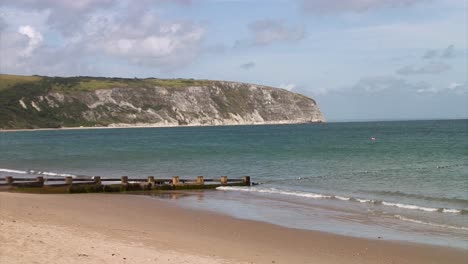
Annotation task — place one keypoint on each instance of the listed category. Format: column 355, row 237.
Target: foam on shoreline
column 342, row 198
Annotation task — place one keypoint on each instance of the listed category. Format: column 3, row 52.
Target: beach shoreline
column 139, row 229
column 150, row 125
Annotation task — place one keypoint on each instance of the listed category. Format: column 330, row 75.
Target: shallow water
column 410, row 184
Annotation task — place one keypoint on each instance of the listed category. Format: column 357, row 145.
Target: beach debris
column 82, row 255
column 373, row 139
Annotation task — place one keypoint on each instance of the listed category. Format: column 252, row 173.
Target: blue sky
column 360, row 59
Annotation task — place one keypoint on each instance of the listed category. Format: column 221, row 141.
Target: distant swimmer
column 373, row 139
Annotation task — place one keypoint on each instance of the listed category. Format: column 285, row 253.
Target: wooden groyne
column 122, row 184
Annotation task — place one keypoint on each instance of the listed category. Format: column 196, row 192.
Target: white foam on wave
column 341, row 198
column 411, row 207
column 47, row 173
column 275, row 191
column 51, row 173
column 364, row 200
column 453, row 211
column 13, row 171
column 430, row 224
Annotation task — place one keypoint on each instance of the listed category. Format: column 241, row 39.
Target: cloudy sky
column 360, row 59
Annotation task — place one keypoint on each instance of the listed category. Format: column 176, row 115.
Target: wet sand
column 118, row 228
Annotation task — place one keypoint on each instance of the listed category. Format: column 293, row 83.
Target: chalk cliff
column 39, row 102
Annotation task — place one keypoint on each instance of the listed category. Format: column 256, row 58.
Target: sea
column 395, row 180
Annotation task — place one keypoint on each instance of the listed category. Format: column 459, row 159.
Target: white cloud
column 34, row 39
column 268, row 31
column 389, row 85
column 134, row 33
column 407, row 35
column 449, row 52
column 336, row 6
column 430, row 68
column 289, row 86
column 453, row 87
column 160, row 44
column 430, row 54
column 386, row 84
column 248, row 66
column 446, row 53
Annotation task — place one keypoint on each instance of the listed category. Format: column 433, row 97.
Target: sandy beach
column 104, row 228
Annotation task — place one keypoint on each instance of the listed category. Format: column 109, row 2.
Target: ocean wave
column 274, row 191
column 362, row 200
column 418, row 196
column 411, row 207
column 48, row 173
column 34, row 172
column 429, row 223
column 13, row 171
column 343, row 198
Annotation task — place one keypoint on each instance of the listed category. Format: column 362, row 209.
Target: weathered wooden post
column 246, row 180
column 124, row 180
column 40, row 180
column 175, row 180
column 97, row 180
column 224, row 180
column 200, row 180
column 68, row 180
column 9, row 180
column 151, row 180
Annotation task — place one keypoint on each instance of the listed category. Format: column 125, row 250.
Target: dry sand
column 118, row 228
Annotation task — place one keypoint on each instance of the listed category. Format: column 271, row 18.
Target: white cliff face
column 225, row 103
column 219, row 103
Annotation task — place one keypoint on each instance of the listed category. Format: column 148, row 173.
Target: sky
column 359, row 59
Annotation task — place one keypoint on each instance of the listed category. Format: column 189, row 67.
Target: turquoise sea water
column 411, row 183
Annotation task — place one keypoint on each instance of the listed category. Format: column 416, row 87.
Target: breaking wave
column 13, row 171
column 343, row 198
column 429, row 223
column 34, row 172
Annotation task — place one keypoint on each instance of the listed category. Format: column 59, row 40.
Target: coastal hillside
column 52, row 102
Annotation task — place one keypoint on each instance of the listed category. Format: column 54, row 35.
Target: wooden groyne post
column 175, row 180
column 246, row 180
column 40, row 180
column 151, row 180
column 224, row 180
column 68, row 180
column 124, row 180
column 9, row 180
column 97, row 180
column 200, row 180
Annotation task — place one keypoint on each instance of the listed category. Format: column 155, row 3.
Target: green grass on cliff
column 8, row 81
column 92, row 83
column 84, row 83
